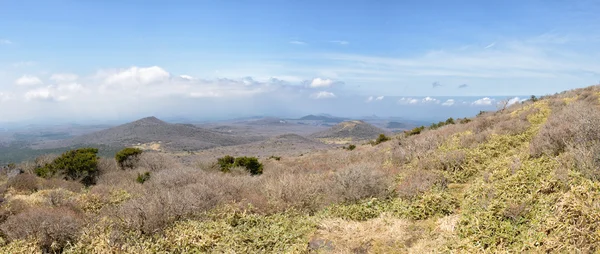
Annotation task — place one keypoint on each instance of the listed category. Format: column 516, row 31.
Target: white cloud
column 27, row 80
column 188, row 77
column 298, row 42
column 405, row 100
column 340, row 42
column 370, row 98
column 322, row 95
column 138, row 76
column 379, row 98
column 449, row 102
column 5, row 41
column 319, row 82
column 490, row 45
column 430, row 100
column 484, row 102
column 513, row 101
column 63, row 77
column 44, row 94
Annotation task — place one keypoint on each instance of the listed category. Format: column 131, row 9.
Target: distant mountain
column 323, row 118
column 154, row 130
column 354, row 130
column 267, row 121
column 396, row 125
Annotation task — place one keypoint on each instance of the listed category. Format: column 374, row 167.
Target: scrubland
column 523, row 179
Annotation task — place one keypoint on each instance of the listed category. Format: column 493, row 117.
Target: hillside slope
column 350, row 131
column 525, row 179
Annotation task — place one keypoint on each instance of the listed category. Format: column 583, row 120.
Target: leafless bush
column 53, row 228
column 360, row 181
column 55, row 183
column 24, row 183
column 301, row 191
column 578, row 124
column 419, row 181
column 512, row 126
column 157, row 208
column 107, row 165
column 157, row 161
column 587, row 159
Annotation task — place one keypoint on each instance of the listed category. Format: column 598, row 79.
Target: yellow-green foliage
column 432, row 203
column 91, row 202
column 229, row 232
column 19, row 247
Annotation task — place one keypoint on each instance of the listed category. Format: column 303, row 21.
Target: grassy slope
column 494, row 196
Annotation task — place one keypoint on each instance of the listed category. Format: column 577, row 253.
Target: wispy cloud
column 449, row 102
column 323, row 95
column 490, row 45
column 27, row 80
column 295, row 42
column 483, row 102
column 436, row 84
column 463, row 86
column 5, row 41
column 340, row 42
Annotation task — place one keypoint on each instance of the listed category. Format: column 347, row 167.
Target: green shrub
column 142, row 178
column 251, row 164
column 226, row 163
column 349, row 147
column 382, row 138
column 128, row 157
column 415, row 131
column 79, row 164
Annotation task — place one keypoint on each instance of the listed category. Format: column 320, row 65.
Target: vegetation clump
column 251, row 164
column 349, row 147
column 128, row 157
column 79, row 164
column 415, row 131
column 142, row 178
column 380, row 139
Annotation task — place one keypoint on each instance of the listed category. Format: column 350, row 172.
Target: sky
column 81, row 61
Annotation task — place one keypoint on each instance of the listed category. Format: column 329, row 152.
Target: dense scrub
column 521, row 180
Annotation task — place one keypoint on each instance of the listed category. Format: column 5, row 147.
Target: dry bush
column 360, row 181
column 587, row 159
column 24, row 183
column 577, row 124
column 53, row 228
column 417, row 182
column 300, row 191
column 16, row 206
column 107, row 165
column 158, row 208
column 55, row 183
column 512, row 126
column 154, row 161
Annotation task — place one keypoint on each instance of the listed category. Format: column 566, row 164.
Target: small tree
column 128, row 157
column 79, row 164
column 226, row 163
column 251, row 164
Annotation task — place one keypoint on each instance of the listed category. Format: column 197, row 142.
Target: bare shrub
column 417, row 182
column 53, row 228
column 24, row 183
column 578, row 124
column 107, row 165
column 360, row 181
column 587, row 159
column 55, row 183
column 512, row 126
column 304, row 191
column 154, row 161
column 157, row 208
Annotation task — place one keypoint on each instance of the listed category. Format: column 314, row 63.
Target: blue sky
column 133, row 58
